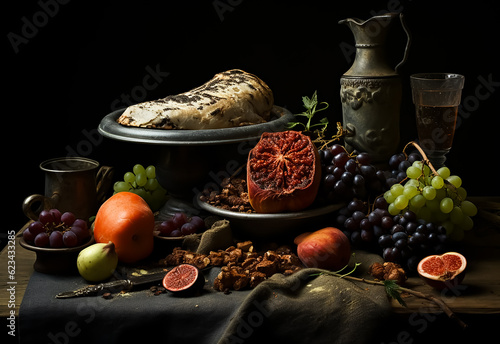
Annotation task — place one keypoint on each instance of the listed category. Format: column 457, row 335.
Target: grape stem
column 341, row 132
column 424, row 157
column 428, row 163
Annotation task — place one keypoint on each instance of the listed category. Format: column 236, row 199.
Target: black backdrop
column 69, row 63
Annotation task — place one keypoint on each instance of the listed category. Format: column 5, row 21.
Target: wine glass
column 436, row 97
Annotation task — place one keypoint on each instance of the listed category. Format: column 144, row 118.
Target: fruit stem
column 428, row 163
column 341, row 132
column 109, row 248
column 424, row 157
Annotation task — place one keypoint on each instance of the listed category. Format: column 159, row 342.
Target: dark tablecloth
column 303, row 307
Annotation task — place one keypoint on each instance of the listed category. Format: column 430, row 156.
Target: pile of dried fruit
column 232, row 196
column 241, row 266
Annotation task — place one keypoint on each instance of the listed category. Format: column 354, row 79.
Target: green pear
column 97, row 262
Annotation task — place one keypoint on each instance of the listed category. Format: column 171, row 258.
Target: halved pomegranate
column 184, row 280
column 283, row 172
column 444, row 271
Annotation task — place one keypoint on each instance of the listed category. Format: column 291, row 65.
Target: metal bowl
column 110, row 128
column 56, row 261
column 262, row 226
column 190, row 160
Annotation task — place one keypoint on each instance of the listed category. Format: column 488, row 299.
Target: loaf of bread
column 231, row 99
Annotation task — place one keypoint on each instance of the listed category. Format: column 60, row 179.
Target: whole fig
column 97, row 262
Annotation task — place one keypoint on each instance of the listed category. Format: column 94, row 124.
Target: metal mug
column 72, row 184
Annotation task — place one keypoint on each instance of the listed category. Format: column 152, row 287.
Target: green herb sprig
column 316, row 130
column 311, row 106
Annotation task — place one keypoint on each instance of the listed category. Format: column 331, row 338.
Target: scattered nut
column 267, row 267
column 377, row 271
column 245, row 246
column 237, row 273
column 388, row 271
column 241, row 266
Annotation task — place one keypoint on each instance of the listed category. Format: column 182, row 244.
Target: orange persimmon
column 126, row 220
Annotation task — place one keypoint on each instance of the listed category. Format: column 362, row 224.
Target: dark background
column 74, row 62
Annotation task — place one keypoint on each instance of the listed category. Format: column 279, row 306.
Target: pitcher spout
column 370, row 32
column 389, row 16
column 370, row 38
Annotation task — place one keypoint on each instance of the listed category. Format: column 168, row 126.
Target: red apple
column 327, row 248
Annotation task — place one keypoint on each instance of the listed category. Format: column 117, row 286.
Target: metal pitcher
column 370, row 90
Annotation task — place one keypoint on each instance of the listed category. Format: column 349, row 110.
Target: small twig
column 440, row 303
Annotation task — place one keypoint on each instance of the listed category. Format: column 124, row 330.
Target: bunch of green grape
column 142, row 181
column 435, row 197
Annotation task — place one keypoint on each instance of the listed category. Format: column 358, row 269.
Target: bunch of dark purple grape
column 180, row 224
column 56, row 230
column 347, row 176
column 402, row 238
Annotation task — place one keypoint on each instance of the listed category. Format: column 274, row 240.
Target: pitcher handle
column 408, row 43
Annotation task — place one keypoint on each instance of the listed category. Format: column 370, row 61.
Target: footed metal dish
column 259, row 225
column 110, row 128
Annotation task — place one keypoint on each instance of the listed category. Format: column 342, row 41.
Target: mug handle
column 45, row 203
column 104, row 178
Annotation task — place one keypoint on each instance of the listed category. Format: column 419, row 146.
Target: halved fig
column 444, row 271
column 283, row 172
column 184, row 280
